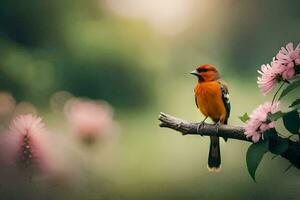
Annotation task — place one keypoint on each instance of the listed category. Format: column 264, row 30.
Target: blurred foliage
column 84, row 47
column 64, row 45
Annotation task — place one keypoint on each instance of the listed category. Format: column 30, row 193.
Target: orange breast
column 209, row 100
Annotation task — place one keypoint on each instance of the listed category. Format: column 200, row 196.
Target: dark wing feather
column 226, row 100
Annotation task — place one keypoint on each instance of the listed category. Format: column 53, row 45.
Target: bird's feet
column 200, row 125
column 217, row 125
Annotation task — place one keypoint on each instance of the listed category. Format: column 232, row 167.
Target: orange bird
column 212, row 99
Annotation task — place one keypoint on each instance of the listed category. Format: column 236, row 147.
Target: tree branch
column 227, row 131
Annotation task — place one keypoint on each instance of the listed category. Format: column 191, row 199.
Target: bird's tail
column 214, row 156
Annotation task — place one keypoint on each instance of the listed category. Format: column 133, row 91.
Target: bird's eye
column 202, row 70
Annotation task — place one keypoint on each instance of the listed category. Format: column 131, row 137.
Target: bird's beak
column 194, row 73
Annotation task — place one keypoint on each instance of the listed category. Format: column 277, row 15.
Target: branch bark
column 227, row 131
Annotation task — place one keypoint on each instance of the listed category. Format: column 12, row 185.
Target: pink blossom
column 89, row 119
column 258, row 123
column 25, row 144
column 288, row 57
column 269, row 77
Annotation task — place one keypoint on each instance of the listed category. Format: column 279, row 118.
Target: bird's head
column 206, row 73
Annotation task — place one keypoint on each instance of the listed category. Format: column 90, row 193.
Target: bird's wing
column 225, row 98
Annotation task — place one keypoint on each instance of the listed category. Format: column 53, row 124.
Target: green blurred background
column 137, row 55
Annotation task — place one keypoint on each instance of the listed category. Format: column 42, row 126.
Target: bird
column 212, row 100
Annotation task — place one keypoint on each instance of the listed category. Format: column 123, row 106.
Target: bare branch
column 227, row 131
column 186, row 127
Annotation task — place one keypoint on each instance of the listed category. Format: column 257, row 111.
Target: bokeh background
column 136, row 55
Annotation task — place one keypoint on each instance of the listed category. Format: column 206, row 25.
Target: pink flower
column 269, row 77
column 282, row 68
column 288, row 57
column 258, row 123
column 25, row 143
column 89, row 119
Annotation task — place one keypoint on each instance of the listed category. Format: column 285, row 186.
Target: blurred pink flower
column 58, row 100
column 258, row 122
column 7, row 104
column 289, row 58
column 269, row 77
column 25, row 108
column 89, row 119
column 25, row 143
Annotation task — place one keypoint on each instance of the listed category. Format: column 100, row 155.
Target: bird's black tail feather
column 214, row 156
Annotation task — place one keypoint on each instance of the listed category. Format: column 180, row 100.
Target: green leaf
column 291, row 121
column 275, row 116
column 295, row 104
column 278, row 146
column 244, row 118
column 297, row 69
column 269, row 134
column 290, row 88
column 254, row 156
